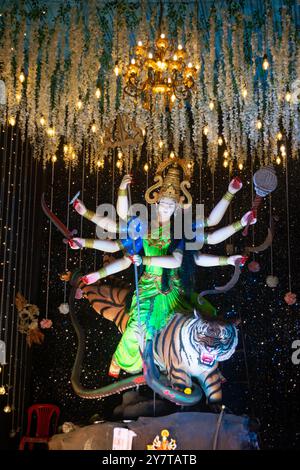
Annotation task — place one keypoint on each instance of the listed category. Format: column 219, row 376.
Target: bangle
column 223, row 260
column 146, row 260
column 102, row 273
column 89, row 214
column 228, row 196
column 237, row 226
column 89, row 243
column 122, row 192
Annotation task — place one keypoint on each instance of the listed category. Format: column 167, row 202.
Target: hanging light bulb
column 205, row 130
column 146, row 167
column 7, row 409
column 79, row 104
column 42, row 121
column 2, row 390
column 12, row 121
column 117, row 69
column 140, row 43
column 120, row 154
column 66, row 149
column 190, row 165
column 265, row 63
column 119, row 164
column 143, row 132
column 98, row 163
column 226, row 154
column 22, row 77
column 50, row 132
column 160, row 144
column 94, row 128
column 18, row 97
column 225, row 163
column 220, row 140
column 179, row 47
column 282, row 148
column 150, row 55
column 98, row 93
column 211, row 105
column 172, row 154
column 278, row 160
column 54, row 159
column 259, row 124
column 241, row 166
column 288, row 96
column 173, row 98
column 244, row 92
column 132, row 61
column 73, row 155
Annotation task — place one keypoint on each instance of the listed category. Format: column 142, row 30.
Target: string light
column 120, row 154
column 42, row 121
column 2, row 390
column 51, row 131
column 146, row 167
column 225, row 163
column 173, row 98
column 259, row 124
column 54, row 159
column 265, row 63
column 172, row 154
column 288, row 96
column 79, row 104
column 18, row 97
column 226, row 154
column 278, row 160
column 282, row 148
column 205, row 130
column 211, row 105
column 7, row 409
column 22, row 77
column 220, row 141
column 66, row 149
column 143, row 132
column 98, row 93
column 244, row 92
column 279, row 136
column 119, row 164
column 160, row 144
column 12, row 121
column 117, row 69
column 241, row 166
column 94, row 128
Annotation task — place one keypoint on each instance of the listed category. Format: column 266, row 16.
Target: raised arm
column 169, row 261
column 223, row 233
column 104, row 222
column 122, row 202
column 207, row 260
column 219, row 210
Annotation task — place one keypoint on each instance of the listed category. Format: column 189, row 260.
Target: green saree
column 156, row 306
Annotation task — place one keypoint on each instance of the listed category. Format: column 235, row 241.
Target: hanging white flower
column 2, row 92
column 64, row 308
column 272, row 281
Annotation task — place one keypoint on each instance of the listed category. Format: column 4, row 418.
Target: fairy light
column 73, row 155
column 22, row 77
column 225, row 163
column 278, row 160
column 94, row 128
column 117, row 69
column 288, row 96
column 173, row 98
column 160, row 144
column 220, row 141
column 79, row 104
column 7, row 409
column 265, row 63
column 18, row 97
column 282, row 149
column 226, row 154
column 54, row 159
column 172, row 154
column 179, row 47
column 51, row 132
column 146, row 167
column 244, row 93
column 119, row 164
column 189, row 165
column 98, row 93
column 259, row 124
column 42, row 121
column 205, row 130
column 279, row 136
column 240, row 166
column 12, row 121
column 143, row 132
column 120, row 154
column 150, row 55
column 132, row 61
column 66, row 149
column 211, row 105
column 140, row 43
column 98, row 163
column 2, row 390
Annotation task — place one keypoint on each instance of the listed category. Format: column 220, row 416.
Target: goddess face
column 166, row 208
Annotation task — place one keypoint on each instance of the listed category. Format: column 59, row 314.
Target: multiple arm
column 219, row 210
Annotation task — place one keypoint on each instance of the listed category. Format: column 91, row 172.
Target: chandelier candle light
column 160, row 71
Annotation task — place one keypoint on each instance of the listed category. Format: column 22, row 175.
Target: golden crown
column 170, row 184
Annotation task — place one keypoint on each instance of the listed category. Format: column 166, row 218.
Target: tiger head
column 216, row 341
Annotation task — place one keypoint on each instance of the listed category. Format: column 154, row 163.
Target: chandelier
column 160, row 71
